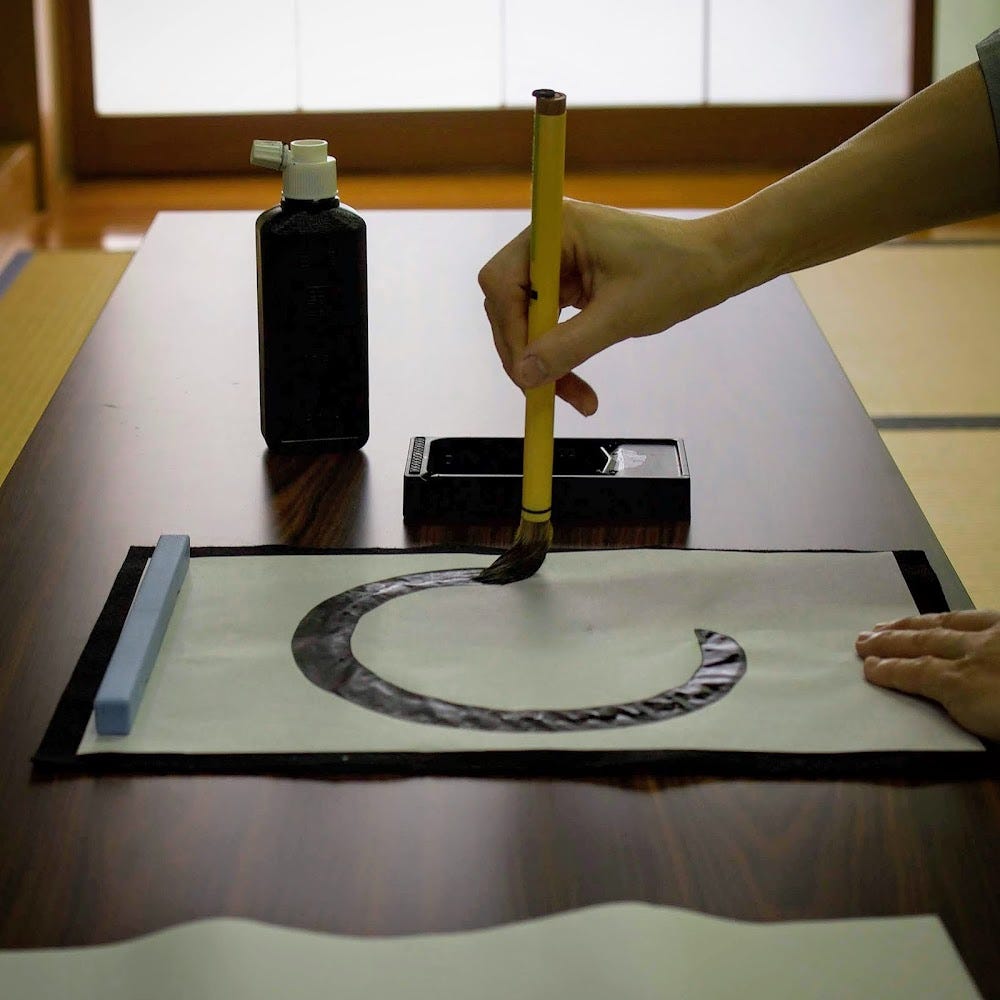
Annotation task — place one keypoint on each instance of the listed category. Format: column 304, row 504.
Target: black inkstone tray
column 465, row 480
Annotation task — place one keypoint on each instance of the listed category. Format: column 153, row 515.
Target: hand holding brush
column 534, row 535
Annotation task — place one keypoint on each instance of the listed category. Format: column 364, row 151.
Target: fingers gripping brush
column 534, row 535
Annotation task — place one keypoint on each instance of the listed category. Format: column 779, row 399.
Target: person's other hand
column 952, row 658
column 630, row 274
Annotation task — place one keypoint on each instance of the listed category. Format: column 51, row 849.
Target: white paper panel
column 958, row 25
column 397, row 54
column 193, row 56
column 809, row 51
column 629, row 951
column 625, row 53
column 589, row 628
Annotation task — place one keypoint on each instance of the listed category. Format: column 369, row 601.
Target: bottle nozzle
column 270, row 153
column 308, row 173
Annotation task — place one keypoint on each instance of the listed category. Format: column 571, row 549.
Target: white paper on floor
column 625, row 950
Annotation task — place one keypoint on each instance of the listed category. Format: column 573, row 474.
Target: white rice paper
column 623, row 950
column 589, row 628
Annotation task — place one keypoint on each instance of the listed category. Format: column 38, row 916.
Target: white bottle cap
column 308, row 174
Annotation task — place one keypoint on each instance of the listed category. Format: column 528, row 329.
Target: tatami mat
column 45, row 315
column 955, row 477
column 915, row 326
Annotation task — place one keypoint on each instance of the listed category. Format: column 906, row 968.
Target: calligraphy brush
column 548, row 156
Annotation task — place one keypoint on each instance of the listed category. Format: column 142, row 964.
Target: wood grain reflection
column 317, row 500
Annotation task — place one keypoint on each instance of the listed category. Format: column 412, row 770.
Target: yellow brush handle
column 547, row 168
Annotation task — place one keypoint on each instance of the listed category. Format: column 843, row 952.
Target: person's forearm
column 931, row 161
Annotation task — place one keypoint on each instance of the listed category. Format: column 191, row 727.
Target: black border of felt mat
column 58, row 747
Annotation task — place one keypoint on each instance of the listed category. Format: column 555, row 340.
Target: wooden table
column 155, row 429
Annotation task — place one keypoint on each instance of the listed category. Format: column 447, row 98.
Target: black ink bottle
column 312, row 306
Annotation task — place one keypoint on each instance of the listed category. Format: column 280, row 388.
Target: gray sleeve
column 989, row 63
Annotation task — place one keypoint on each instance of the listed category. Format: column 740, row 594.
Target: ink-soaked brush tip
column 524, row 557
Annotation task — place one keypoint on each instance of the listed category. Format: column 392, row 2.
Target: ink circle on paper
column 322, row 649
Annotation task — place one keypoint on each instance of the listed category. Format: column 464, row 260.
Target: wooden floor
column 114, row 214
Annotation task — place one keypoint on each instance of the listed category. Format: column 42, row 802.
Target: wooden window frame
column 459, row 141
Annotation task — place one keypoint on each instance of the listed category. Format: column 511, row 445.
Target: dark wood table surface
column 155, row 429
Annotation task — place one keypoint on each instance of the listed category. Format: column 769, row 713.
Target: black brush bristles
column 524, row 557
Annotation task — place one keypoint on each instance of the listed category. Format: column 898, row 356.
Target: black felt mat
column 58, row 747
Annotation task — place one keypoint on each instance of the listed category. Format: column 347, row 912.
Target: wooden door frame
column 459, row 141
